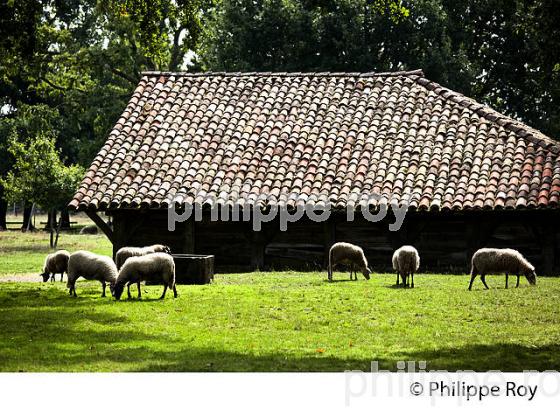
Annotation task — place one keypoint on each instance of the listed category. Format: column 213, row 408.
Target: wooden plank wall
column 445, row 241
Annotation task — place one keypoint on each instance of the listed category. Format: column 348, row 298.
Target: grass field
column 272, row 321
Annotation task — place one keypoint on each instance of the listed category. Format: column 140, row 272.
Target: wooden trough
column 191, row 269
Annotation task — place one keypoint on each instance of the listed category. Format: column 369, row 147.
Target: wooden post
column 258, row 245
column 101, row 224
column 548, row 245
column 473, row 233
column 188, row 243
column 329, row 232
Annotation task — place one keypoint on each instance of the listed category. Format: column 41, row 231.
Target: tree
column 39, row 175
column 83, row 59
column 502, row 52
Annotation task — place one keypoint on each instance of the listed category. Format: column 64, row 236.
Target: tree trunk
column 58, row 231
column 64, row 219
column 52, row 221
column 3, row 210
column 27, row 215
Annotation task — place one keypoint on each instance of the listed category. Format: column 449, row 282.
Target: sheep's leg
column 412, row 276
column 164, row 290
column 473, row 276
column 61, row 276
column 507, row 277
column 128, row 290
column 73, row 290
column 517, row 282
column 174, row 290
column 483, row 279
column 103, row 285
column 398, row 276
column 139, row 292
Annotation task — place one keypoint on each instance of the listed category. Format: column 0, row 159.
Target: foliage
column 84, row 57
column 39, row 175
column 283, row 321
column 501, row 52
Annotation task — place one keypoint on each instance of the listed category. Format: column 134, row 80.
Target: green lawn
column 25, row 252
column 276, row 321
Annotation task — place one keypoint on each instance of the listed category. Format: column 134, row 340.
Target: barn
column 373, row 143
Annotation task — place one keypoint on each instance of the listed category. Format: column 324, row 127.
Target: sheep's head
column 167, row 249
column 531, row 276
column 366, row 273
column 117, row 290
column 45, row 276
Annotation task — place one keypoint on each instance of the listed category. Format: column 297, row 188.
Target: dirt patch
column 26, row 277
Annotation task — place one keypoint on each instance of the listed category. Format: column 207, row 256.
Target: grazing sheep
column 56, row 262
column 124, row 253
column 154, row 266
column 491, row 260
column 406, row 261
column 348, row 254
column 89, row 230
column 93, row 267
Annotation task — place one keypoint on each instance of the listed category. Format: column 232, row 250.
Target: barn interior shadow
column 64, row 346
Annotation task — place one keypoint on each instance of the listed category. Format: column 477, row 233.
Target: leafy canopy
column 38, row 174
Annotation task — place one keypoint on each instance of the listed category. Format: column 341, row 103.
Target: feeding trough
column 193, row 269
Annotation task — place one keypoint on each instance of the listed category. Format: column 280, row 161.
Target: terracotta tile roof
column 313, row 137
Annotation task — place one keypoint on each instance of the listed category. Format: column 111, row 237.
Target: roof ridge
column 490, row 114
column 418, row 73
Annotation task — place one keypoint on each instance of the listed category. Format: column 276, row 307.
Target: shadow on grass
column 44, row 330
column 503, row 357
column 507, row 357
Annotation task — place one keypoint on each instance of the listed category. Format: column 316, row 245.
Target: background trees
column 503, row 52
column 83, row 58
column 37, row 173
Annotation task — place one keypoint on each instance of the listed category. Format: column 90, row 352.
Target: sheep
column 124, row 253
column 56, row 262
column 154, row 266
column 492, row 260
column 93, row 267
column 348, row 254
column 406, row 261
column 89, row 230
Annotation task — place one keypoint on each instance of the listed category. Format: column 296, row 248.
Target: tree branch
column 59, row 87
column 176, row 53
column 122, row 74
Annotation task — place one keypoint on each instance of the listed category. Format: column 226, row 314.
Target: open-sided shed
column 469, row 176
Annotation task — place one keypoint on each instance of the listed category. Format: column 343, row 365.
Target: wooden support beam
column 101, row 224
column 188, row 239
column 258, row 246
column 545, row 235
column 329, row 232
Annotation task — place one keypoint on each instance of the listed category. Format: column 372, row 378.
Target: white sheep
column 93, row 267
column 124, row 253
column 154, row 267
column 56, row 262
column 406, row 261
column 350, row 255
column 492, row 260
